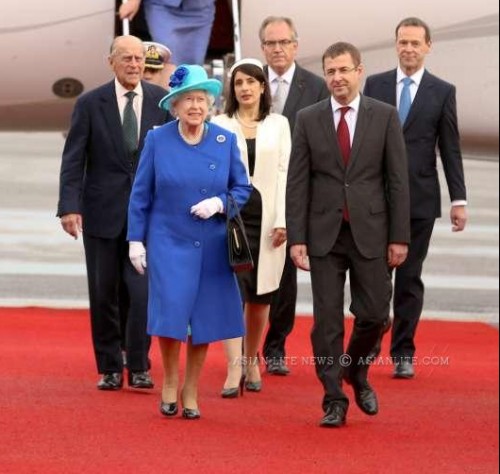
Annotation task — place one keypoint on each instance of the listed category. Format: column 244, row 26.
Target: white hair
column 177, row 98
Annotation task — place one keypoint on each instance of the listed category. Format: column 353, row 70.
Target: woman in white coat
column 265, row 143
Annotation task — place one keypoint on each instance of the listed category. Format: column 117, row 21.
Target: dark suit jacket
column 306, row 89
column 432, row 121
column 375, row 183
column 96, row 171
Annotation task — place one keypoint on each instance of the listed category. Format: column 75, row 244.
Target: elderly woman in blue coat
column 176, row 213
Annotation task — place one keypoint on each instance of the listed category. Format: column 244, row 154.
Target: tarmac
column 40, row 265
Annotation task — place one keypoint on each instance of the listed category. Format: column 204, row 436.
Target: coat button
column 197, row 243
column 203, row 191
column 212, row 167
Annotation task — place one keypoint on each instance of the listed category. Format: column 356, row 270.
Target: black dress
column 251, row 214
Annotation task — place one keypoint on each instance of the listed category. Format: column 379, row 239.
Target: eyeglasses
column 280, row 43
column 343, row 71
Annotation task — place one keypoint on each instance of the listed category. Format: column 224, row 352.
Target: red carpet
column 53, row 420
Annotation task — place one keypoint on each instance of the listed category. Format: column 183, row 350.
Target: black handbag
column 240, row 257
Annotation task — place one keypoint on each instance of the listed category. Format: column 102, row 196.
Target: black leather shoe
column 277, row 367
column 169, row 409
column 366, row 398
column 375, row 352
column 113, row 381
column 140, row 380
column 191, row 413
column 335, row 416
column 403, row 370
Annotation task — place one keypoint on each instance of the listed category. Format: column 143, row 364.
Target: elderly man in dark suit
column 428, row 114
column 292, row 89
column 98, row 167
column 347, row 210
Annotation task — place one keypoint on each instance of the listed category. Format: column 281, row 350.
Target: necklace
column 191, row 141
column 245, row 124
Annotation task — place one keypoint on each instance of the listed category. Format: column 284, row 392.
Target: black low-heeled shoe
column 253, row 386
column 191, row 413
column 169, row 409
column 234, row 392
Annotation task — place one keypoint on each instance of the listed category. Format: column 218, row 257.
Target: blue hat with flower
column 190, row 78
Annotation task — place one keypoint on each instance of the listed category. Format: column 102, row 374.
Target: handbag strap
column 232, row 205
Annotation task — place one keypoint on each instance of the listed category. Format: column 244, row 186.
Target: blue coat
column 190, row 281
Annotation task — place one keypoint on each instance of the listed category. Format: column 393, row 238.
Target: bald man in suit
column 347, row 211
column 97, row 171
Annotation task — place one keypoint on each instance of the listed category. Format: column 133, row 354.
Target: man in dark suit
column 427, row 108
column 347, row 210
column 292, row 89
column 98, row 166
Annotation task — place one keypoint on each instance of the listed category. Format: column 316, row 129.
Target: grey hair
column 115, row 45
column 278, row 19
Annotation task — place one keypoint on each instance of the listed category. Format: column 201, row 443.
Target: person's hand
column 207, row 208
column 137, row 255
column 396, row 254
column 278, row 236
column 300, row 257
column 128, row 10
column 72, row 224
column 458, row 216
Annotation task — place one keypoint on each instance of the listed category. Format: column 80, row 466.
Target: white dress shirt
column 416, row 78
column 287, row 79
column 351, row 117
column 122, row 102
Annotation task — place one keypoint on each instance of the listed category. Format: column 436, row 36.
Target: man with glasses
column 99, row 161
column 292, row 89
column 347, row 210
column 428, row 115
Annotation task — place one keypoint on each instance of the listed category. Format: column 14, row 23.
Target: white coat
column 272, row 155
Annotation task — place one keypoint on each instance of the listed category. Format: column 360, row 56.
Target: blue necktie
column 405, row 100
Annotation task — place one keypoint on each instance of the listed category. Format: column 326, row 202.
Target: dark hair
column 265, row 99
column 337, row 49
column 413, row 21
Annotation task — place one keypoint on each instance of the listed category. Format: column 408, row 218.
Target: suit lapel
column 295, row 93
column 421, row 99
column 363, row 121
column 111, row 114
column 389, row 88
column 326, row 120
column 147, row 114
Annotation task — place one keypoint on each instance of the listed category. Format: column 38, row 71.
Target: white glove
column 207, row 208
column 137, row 255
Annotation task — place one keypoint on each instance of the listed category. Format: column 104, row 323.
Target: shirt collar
column 288, row 76
column 416, row 78
column 353, row 105
column 121, row 91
